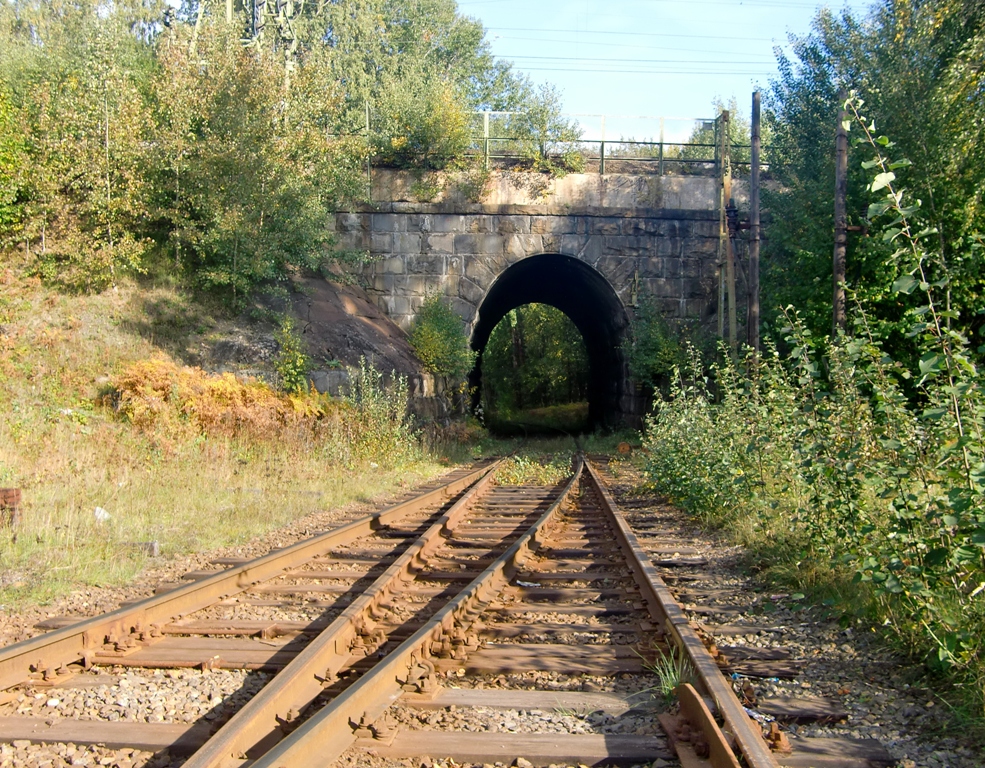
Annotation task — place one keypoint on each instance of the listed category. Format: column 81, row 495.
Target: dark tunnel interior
column 586, row 297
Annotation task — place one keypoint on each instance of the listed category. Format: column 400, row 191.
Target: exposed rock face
column 340, row 325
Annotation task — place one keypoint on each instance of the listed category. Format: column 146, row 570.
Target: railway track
column 469, row 622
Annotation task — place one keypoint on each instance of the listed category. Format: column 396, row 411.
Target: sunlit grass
column 181, row 487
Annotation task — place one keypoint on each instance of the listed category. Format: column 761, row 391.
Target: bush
column 654, row 349
column 12, row 162
column 176, row 404
column 160, row 396
column 822, row 454
column 439, row 340
column 292, row 364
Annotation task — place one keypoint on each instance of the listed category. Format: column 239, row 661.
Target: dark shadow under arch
column 586, row 297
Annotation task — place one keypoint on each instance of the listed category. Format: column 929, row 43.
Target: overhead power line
column 718, row 73
column 640, row 61
column 621, row 45
column 676, row 36
column 745, row 4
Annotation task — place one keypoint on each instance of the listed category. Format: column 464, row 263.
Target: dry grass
column 198, row 462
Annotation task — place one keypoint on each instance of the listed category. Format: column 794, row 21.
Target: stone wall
column 652, row 234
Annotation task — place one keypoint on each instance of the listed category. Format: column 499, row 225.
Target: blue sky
column 656, row 58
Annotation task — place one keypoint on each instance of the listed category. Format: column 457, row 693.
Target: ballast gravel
column 143, row 696
column 149, row 696
column 883, row 694
column 884, row 697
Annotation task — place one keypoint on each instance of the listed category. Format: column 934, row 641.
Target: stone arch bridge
column 589, row 245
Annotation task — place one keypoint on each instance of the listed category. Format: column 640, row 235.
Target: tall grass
column 95, row 414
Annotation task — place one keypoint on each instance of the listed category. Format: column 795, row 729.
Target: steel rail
column 293, row 689
column 745, row 732
column 328, row 733
column 140, row 623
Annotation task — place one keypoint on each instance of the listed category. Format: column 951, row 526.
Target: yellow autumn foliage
column 158, row 394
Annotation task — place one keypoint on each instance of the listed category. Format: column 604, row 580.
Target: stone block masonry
column 591, row 246
column 657, row 234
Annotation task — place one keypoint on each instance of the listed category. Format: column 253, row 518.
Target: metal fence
column 495, row 143
column 689, row 157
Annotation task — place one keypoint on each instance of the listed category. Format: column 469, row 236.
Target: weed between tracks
column 671, row 669
column 114, row 444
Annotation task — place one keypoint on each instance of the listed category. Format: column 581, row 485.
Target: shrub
column 439, row 340
column 175, row 404
column 293, row 363
column 859, row 467
column 158, row 395
column 12, row 162
column 654, row 349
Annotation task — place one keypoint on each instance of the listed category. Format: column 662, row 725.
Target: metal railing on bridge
column 699, row 154
column 509, row 140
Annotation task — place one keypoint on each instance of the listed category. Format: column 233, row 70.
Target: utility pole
column 723, row 235
column 729, row 251
column 838, row 319
column 753, row 315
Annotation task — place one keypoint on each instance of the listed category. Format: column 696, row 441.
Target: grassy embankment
column 845, row 490
column 96, row 412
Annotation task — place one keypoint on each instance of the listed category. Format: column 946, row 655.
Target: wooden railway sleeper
column 739, row 734
column 324, row 736
column 84, row 640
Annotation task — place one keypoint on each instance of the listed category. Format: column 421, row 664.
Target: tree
column 544, row 137
column 245, row 175
column 535, row 357
column 77, row 75
column 12, row 166
column 913, row 62
column 156, row 138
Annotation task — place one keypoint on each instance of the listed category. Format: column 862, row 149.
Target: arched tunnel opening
column 588, row 300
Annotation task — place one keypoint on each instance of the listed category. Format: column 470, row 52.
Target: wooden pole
column 722, row 226
column 729, row 252
column 838, row 318
column 753, row 321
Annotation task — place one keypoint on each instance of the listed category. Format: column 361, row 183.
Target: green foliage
column 293, row 364
column 128, row 144
column 702, row 143
column 654, row 349
column 535, row 357
column 527, row 470
column 913, row 61
column 821, row 454
column 438, row 338
column 380, row 431
column 424, row 128
column 77, row 76
column 543, row 136
column 672, row 670
column 243, row 193
column 11, row 164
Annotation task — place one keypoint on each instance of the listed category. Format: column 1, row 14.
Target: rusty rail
column 285, row 697
column 141, row 622
column 738, row 726
column 327, row 734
